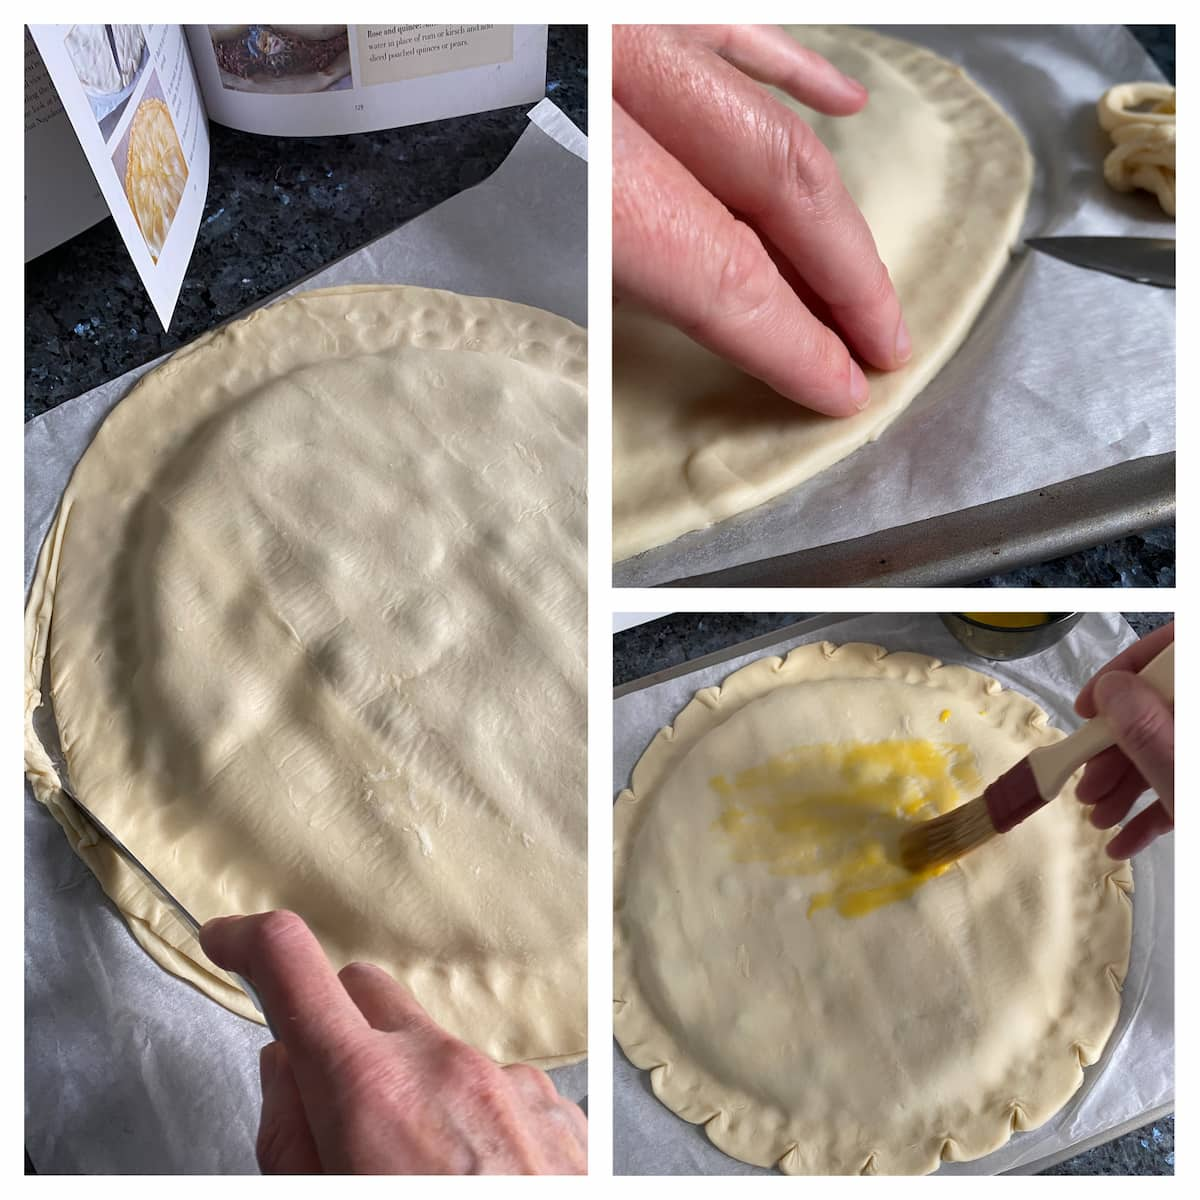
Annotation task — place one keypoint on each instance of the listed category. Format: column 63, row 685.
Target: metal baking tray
column 962, row 547
column 818, row 624
column 1047, row 78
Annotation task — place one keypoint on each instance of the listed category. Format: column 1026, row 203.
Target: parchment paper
column 128, row 1070
column 1065, row 371
column 1137, row 1070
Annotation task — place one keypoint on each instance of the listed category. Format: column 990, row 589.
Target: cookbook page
column 131, row 95
column 310, row 80
column 61, row 195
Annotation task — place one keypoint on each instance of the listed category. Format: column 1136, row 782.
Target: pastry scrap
column 789, row 986
column 1140, row 119
column 155, row 172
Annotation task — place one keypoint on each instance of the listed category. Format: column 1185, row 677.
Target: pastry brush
column 1023, row 789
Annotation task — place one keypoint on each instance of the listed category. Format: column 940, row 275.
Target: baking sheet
column 1065, row 372
column 128, row 1070
column 1136, row 1073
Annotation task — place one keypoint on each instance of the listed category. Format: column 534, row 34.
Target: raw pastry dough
column 1143, row 153
column 923, row 1029
column 315, row 610
column 155, row 172
column 942, row 176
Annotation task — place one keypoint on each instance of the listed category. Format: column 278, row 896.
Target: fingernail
column 860, row 392
column 903, row 342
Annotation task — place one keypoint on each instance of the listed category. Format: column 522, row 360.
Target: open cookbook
column 116, row 116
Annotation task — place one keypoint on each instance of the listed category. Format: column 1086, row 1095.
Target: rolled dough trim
column 735, row 1122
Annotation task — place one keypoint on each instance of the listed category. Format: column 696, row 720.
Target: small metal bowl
column 1000, row 643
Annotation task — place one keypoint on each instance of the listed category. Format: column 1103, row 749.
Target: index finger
column 771, row 55
column 680, row 253
column 1132, row 658
column 764, row 163
column 313, row 1015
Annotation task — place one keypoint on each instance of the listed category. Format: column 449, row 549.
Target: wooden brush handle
column 1053, row 765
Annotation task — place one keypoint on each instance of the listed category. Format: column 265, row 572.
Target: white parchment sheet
column 128, row 1070
column 1137, row 1071
column 1066, row 371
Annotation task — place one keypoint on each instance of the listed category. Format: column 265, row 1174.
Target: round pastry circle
column 942, row 176
column 927, row 1029
column 315, row 607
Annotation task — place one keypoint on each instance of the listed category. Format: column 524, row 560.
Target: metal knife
column 190, row 922
column 1142, row 259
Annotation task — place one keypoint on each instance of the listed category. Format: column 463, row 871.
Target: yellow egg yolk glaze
column 1011, row 620
column 837, row 811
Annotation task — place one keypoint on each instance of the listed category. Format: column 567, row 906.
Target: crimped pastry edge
column 735, row 1123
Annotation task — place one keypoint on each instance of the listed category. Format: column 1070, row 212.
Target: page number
column 358, row 108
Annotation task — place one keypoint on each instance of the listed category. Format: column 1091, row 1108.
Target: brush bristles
column 945, row 838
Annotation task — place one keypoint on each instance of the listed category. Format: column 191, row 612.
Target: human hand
column 1144, row 756
column 363, row 1082
column 729, row 217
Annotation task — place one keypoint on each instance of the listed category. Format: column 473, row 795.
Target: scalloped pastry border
column 734, row 1122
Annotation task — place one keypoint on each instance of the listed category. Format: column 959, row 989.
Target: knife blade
column 1141, row 259
column 189, row 922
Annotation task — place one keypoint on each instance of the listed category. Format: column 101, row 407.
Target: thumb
column 1144, row 725
column 285, row 1145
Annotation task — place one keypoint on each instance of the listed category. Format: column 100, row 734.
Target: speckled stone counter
column 680, row 637
column 1159, row 42
column 278, row 209
column 1144, row 559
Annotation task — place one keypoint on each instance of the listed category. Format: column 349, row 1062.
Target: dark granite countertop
column 1145, row 559
column 680, row 637
column 1159, row 42
column 278, row 209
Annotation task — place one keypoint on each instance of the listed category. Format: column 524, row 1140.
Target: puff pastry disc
column 942, row 176
column 929, row 1027
column 314, row 606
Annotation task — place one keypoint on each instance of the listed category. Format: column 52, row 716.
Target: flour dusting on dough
column 422, row 837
